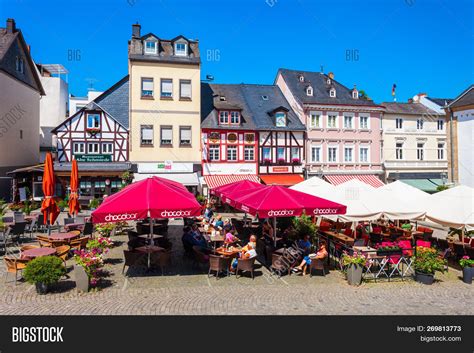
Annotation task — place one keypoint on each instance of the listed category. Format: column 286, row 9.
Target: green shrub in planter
column 427, row 263
column 44, row 271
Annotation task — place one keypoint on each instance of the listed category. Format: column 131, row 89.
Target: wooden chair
column 132, row 258
column 14, row 265
column 62, row 252
column 28, row 247
column 317, row 264
column 218, row 264
column 44, row 241
column 245, row 265
column 58, row 243
column 79, row 243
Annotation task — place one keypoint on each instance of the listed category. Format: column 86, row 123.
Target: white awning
column 187, row 179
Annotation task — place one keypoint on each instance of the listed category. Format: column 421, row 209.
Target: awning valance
column 282, row 179
column 213, row 181
column 369, row 179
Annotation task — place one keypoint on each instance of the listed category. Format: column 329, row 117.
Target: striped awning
column 369, row 179
column 214, row 181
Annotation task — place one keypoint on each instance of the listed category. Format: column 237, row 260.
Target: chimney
column 11, row 27
column 410, row 100
column 331, row 75
column 136, row 30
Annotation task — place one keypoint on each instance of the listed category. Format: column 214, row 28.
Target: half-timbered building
column 97, row 137
column 249, row 132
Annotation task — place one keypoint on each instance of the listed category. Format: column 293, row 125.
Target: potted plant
column 267, row 161
column 354, row 264
column 43, row 272
column 281, row 161
column 295, row 161
column 426, row 263
column 467, row 269
column 94, row 203
column 63, row 204
column 389, row 250
column 105, row 229
column 86, row 270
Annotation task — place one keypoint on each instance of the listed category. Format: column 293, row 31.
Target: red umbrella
column 276, row 201
column 229, row 191
column 73, row 196
column 152, row 197
column 48, row 206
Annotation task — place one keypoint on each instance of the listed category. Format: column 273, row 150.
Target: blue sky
column 421, row 45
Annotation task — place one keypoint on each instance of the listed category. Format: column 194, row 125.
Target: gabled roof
column 318, row 81
column 255, row 111
column 12, row 45
column 465, row 98
column 407, row 108
column 440, row 101
column 114, row 101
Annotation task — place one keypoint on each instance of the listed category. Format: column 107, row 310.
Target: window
column 235, row 118
column 146, row 135
column 185, row 135
column 295, row 153
column 309, row 91
column 78, row 147
column 180, row 49
column 419, row 124
column 363, row 122
column 150, row 47
column 214, row 152
column 315, row 154
column 99, row 187
column 399, row 123
column 399, row 150
column 348, row 154
column 266, row 153
column 301, row 78
column 185, row 89
column 147, row 87
column 85, row 188
column 348, row 122
column 332, row 121
column 249, row 153
column 355, row 94
column 107, row 148
column 115, row 185
column 93, row 121
column 21, row 134
column 93, row 148
column 420, row 151
column 332, row 93
column 332, row 154
column 280, row 119
column 231, row 153
column 280, row 152
column 315, row 120
column 440, row 150
column 223, row 118
column 19, row 65
column 363, row 154
column 440, row 124
column 166, row 88
column 166, row 135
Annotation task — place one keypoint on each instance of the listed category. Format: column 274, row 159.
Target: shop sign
column 93, row 158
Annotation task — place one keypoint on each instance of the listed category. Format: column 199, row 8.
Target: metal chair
column 17, row 230
column 31, row 227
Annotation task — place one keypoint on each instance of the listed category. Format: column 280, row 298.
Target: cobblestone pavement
column 183, row 289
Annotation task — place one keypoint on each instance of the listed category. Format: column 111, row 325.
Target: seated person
column 321, row 254
column 247, row 252
column 197, row 238
column 305, row 245
column 227, row 225
column 208, row 213
column 230, row 238
column 252, row 244
column 267, row 228
column 218, row 223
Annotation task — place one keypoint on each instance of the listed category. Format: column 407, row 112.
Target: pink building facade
column 343, row 129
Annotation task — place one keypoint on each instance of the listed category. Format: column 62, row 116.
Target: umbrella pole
column 274, row 231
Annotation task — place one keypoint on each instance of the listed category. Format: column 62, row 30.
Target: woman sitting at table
column 230, row 238
column 227, row 225
column 247, row 252
column 321, row 254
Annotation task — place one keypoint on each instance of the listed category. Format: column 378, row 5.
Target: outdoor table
column 154, row 236
column 214, row 239
column 231, row 253
column 38, row 252
column 366, row 250
column 74, row 226
column 149, row 249
column 62, row 236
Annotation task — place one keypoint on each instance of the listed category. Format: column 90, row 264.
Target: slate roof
column 407, row 108
column 318, row 81
column 115, row 101
column 465, row 98
column 256, row 112
column 13, row 45
column 440, row 101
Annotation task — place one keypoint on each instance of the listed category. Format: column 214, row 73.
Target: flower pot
column 81, row 278
column 467, row 273
column 354, row 275
column 425, row 278
column 41, row 288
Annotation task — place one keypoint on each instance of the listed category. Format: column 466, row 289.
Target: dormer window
column 180, row 49
column 150, row 47
column 231, row 117
column 328, row 81
column 280, row 119
column 332, row 93
column 355, row 94
column 265, row 98
column 301, row 78
column 309, row 91
column 19, row 66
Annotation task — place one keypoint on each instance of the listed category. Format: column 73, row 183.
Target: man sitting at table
column 321, row 254
column 305, row 245
column 197, row 238
column 218, row 223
